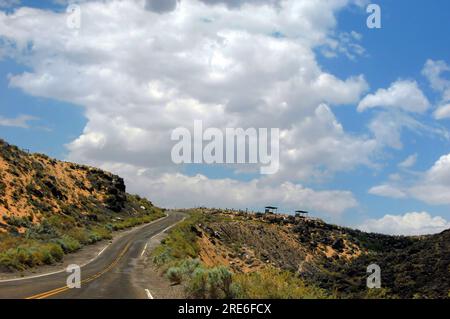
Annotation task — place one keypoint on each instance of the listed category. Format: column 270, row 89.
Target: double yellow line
column 85, row 281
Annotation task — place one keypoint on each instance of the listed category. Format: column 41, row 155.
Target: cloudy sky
column 363, row 113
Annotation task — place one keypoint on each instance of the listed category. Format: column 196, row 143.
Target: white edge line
column 102, row 250
column 161, row 232
column 63, row 270
column 143, row 251
column 149, row 295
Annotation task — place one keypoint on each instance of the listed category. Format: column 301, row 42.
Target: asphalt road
column 112, row 275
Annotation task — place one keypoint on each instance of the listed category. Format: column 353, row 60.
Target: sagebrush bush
column 2, row 189
column 175, row 275
column 183, row 270
column 210, row 283
column 201, row 282
column 68, row 244
column 23, row 257
column 271, row 283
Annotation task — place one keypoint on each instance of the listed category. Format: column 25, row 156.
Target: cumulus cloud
column 21, row 121
column 434, row 187
column 442, row 112
column 409, row 162
column 179, row 190
column 387, row 191
column 431, row 186
column 321, row 138
column 433, row 71
column 139, row 80
column 415, row 223
column 404, row 95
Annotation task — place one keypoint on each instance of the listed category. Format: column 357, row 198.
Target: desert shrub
column 2, row 189
column 201, row 282
column 42, row 230
column 52, row 253
column 17, row 221
column 80, row 234
column 68, row 244
column 213, row 283
column 175, row 275
column 98, row 233
column 272, row 283
column 101, row 232
column 61, row 222
column 183, row 271
column 197, row 286
column 379, row 293
column 27, row 256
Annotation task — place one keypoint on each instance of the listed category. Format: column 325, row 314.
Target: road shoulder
column 151, row 279
column 81, row 257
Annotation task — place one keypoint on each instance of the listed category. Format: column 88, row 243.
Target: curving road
column 113, row 274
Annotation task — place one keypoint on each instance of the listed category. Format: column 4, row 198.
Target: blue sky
column 87, row 128
column 411, row 33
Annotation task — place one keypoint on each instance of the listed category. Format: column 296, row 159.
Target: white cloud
column 388, row 126
column 409, row 162
column 404, row 95
column 21, row 121
column 346, row 43
column 434, row 187
column 408, row 224
column 179, row 190
column 431, row 186
column 387, row 191
column 138, row 81
column 442, row 112
column 433, row 71
column 320, row 139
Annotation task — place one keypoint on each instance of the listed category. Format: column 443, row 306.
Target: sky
column 363, row 113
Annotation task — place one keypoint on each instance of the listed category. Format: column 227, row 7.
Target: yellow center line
column 87, row 280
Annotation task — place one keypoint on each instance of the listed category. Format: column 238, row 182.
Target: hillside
column 281, row 256
column 49, row 208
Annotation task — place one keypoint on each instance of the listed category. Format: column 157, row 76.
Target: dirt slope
column 332, row 257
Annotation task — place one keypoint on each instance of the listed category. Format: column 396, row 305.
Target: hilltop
column 49, row 208
column 282, row 256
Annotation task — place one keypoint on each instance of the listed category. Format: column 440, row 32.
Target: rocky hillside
column 310, row 252
column 50, row 207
